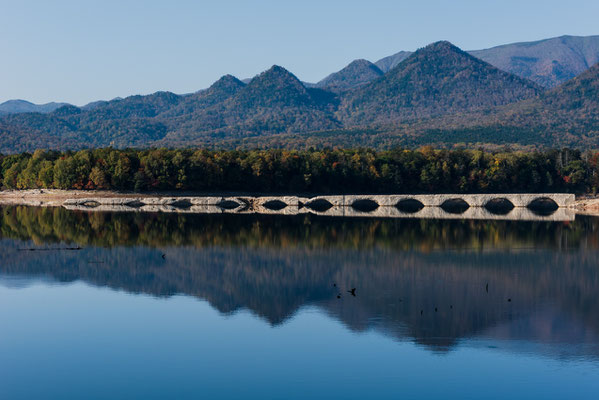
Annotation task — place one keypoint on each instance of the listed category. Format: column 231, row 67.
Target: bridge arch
column 409, row 206
column 455, row 206
column 365, row 205
column 275, row 205
column 320, row 204
column 499, row 206
column 543, row 206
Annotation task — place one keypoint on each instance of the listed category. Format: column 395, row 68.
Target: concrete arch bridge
column 547, row 206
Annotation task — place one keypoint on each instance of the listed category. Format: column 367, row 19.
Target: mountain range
column 438, row 79
column 548, row 62
column 438, row 94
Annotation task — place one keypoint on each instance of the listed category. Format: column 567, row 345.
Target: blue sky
column 80, row 51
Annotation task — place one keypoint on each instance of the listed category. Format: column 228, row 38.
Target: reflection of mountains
column 393, row 287
column 55, row 225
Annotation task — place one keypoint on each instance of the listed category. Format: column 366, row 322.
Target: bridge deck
column 562, row 200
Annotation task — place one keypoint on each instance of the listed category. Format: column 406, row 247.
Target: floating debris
column 53, row 249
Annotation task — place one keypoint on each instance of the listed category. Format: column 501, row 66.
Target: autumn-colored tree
column 425, row 170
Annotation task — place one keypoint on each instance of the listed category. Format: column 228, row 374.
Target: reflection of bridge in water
column 549, row 207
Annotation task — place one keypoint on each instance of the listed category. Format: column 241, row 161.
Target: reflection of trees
column 275, row 265
column 54, row 225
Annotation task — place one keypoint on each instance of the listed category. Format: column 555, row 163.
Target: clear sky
column 82, row 50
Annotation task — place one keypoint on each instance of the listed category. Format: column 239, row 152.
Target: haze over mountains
column 548, row 62
column 22, row 106
column 438, row 94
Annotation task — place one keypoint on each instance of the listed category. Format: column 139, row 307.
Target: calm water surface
column 245, row 306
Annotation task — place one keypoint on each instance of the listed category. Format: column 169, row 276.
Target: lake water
column 245, row 306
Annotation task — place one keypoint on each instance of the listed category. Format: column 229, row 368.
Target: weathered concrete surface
column 339, row 201
column 292, row 201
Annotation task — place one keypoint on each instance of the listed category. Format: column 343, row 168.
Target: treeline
column 425, row 170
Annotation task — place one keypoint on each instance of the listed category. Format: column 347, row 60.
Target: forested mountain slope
column 436, row 80
column 565, row 116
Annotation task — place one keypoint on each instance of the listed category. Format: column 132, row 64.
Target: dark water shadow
column 229, row 205
column 409, row 206
column 275, row 205
column 455, row 206
column 543, row 206
column 499, row 206
column 319, row 205
column 365, row 205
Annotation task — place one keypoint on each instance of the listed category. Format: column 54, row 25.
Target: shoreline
column 582, row 201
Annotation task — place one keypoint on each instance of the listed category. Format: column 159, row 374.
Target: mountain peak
column 227, row 84
column 278, row 74
column 277, row 69
column 275, row 82
column 278, row 101
column 442, row 45
column 355, row 74
column 227, row 79
column 436, row 49
column 360, row 62
column 440, row 49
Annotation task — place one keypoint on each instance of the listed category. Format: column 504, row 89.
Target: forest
column 422, row 170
